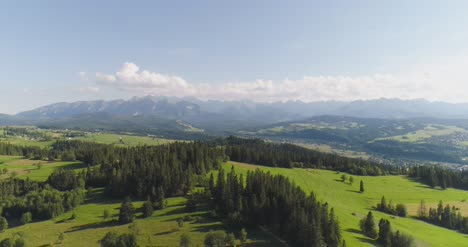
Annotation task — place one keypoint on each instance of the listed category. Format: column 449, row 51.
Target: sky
column 55, row 51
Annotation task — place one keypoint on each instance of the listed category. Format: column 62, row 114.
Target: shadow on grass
column 176, row 210
column 355, row 191
column 207, row 228
column 366, row 240
column 167, row 232
column 74, row 166
column 421, row 184
column 362, row 239
column 93, row 226
column 353, row 231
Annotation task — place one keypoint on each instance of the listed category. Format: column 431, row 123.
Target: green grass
column 27, row 142
column 23, row 168
column 89, row 227
column 105, row 138
column 329, row 149
column 161, row 229
column 350, row 205
column 124, row 140
column 431, row 130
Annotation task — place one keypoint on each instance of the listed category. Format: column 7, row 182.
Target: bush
column 147, row 209
column 401, row 210
column 215, row 239
column 26, row 218
column 113, row 239
column 180, row 222
column 3, row 224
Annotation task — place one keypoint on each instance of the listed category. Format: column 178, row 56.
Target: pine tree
column 384, row 233
column 343, row 178
column 367, row 226
column 211, row 185
column 422, row 211
column 126, row 214
column 147, row 209
column 361, row 187
column 383, row 204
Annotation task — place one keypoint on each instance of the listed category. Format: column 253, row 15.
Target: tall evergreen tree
column 127, row 214
column 367, row 226
column 385, row 232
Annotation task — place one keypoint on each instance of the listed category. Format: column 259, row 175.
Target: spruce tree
column 126, row 214
column 361, row 187
column 368, row 226
column 385, row 233
column 422, row 211
column 147, row 209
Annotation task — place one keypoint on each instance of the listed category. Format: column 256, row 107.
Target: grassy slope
column 89, row 227
column 161, row 229
column 105, row 138
column 426, row 133
column 28, row 168
column 128, row 140
column 347, row 201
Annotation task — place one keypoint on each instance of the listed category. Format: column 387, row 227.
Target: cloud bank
column 435, row 86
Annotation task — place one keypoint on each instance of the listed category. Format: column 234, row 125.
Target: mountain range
column 170, row 114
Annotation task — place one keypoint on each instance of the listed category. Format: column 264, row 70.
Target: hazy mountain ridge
column 191, row 108
column 159, row 115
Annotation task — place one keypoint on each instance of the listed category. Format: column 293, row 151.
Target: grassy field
column 123, row 140
column 89, row 227
column 105, row 138
column 431, row 130
column 22, row 168
column 162, row 230
column 350, row 205
column 329, row 149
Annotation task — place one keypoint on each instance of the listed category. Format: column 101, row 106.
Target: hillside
column 401, row 140
column 350, row 205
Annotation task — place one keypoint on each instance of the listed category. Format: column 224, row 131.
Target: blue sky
column 54, row 51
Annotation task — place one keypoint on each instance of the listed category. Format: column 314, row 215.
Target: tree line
column 435, row 176
column 399, row 209
column 385, row 236
column 259, row 152
column 449, row 216
column 26, row 201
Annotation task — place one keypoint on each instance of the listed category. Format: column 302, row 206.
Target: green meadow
column 89, row 225
column 350, row 205
column 124, row 140
column 161, row 229
column 33, row 169
column 127, row 139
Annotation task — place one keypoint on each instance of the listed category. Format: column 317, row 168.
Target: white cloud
column 131, row 78
column 89, row 89
column 434, row 86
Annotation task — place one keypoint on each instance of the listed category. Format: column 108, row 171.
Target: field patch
column 429, row 131
column 36, row 170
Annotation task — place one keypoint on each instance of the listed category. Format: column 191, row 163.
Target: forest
column 436, row 176
column 260, row 152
